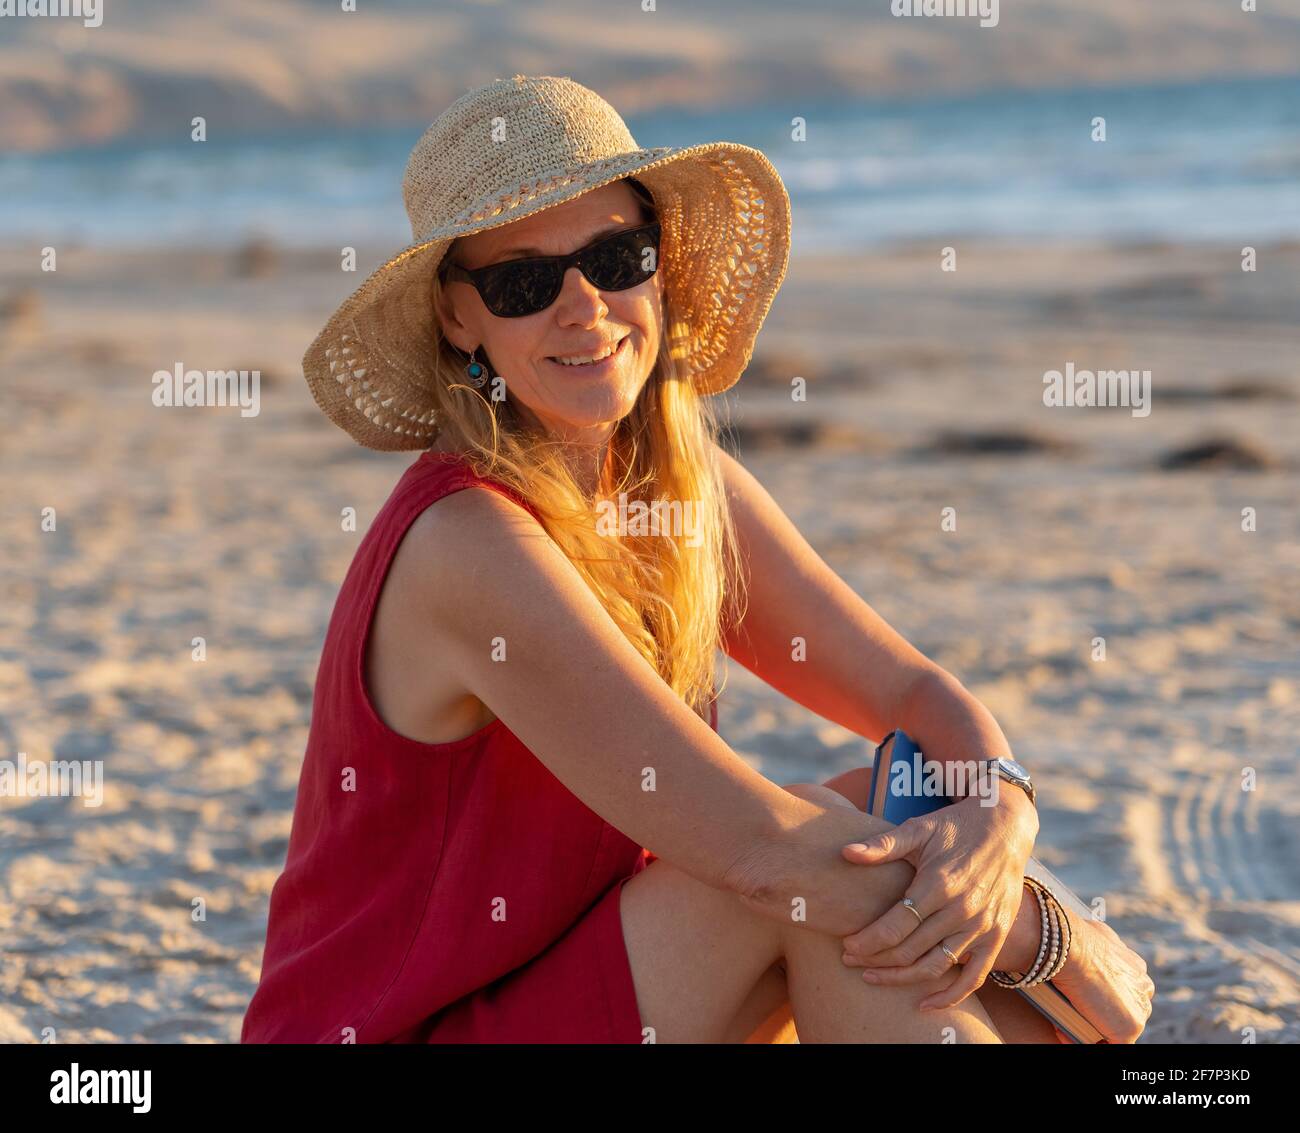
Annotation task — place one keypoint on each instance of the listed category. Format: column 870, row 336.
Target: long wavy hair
column 670, row 599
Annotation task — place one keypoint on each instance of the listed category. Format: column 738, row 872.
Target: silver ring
column 948, row 952
column 908, row 904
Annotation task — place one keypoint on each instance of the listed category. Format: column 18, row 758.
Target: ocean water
column 1193, row 162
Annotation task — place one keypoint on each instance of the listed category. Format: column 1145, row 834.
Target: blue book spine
column 902, row 766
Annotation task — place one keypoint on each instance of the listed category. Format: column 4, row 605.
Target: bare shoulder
column 474, row 511
column 727, row 463
column 438, row 578
column 478, row 561
column 753, row 508
column 454, row 541
column 740, row 483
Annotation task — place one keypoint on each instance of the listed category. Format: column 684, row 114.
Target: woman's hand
column 970, row 863
column 1106, row 981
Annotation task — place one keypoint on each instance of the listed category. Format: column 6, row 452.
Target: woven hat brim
column 724, row 251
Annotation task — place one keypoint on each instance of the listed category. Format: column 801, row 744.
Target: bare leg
column 1014, row 1018
column 766, row 1016
column 697, row 953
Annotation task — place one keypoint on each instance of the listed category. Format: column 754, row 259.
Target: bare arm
column 599, row 717
column 858, row 671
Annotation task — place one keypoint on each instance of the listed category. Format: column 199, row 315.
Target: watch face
column 1015, row 769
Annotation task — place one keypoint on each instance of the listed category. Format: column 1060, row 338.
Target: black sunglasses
column 516, row 288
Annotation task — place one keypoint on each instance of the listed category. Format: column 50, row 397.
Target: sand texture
column 925, row 393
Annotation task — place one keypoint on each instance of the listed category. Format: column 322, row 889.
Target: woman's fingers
column 973, row 975
column 929, row 967
column 894, row 927
column 890, row 845
column 948, row 921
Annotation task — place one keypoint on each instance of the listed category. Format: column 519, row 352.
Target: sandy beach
column 925, row 392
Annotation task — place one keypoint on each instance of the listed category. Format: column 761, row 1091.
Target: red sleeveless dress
column 452, row 892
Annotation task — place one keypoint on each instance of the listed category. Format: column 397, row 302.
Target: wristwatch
column 1013, row 772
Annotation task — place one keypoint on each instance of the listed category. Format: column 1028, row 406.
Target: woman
column 513, row 694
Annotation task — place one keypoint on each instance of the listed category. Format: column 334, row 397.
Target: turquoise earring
column 476, row 371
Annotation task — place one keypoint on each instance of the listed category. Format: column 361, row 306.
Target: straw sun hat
column 506, row 151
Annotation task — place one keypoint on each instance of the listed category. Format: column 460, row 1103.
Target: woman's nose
column 580, row 300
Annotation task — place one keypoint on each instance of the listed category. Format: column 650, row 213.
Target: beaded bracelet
column 1067, row 934
column 1053, row 969
column 1054, row 941
column 1004, row 980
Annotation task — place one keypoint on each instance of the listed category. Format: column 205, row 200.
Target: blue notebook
column 893, row 798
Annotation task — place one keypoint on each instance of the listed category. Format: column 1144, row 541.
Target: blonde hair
column 669, row 599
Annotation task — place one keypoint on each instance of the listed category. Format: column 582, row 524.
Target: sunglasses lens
column 623, row 261
column 512, row 290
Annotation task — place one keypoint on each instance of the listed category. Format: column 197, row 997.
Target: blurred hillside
column 248, row 66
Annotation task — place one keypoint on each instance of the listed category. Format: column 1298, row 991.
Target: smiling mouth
column 601, row 361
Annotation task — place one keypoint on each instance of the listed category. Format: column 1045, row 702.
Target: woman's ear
column 452, row 328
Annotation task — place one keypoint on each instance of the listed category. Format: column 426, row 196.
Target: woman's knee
column 891, row 890
column 696, row 952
